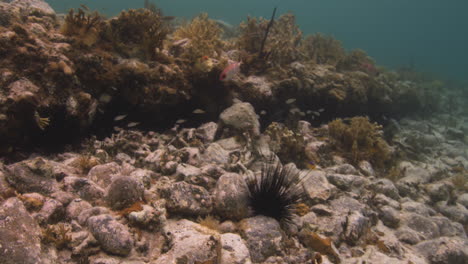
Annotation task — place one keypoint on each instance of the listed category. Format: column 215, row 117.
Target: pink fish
column 230, row 71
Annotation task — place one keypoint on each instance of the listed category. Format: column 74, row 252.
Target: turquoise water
column 429, row 35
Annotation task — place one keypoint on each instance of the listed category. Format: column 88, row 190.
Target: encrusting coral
column 359, row 139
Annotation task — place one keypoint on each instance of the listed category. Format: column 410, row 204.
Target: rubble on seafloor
column 368, row 193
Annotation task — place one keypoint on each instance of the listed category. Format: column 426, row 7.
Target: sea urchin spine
column 276, row 192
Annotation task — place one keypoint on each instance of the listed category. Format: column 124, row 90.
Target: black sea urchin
column 276, row 192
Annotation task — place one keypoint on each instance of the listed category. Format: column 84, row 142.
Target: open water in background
column 428, row 35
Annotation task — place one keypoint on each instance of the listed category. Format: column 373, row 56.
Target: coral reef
column 359, row 139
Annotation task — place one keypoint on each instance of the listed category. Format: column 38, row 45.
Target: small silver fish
column 133, row 124
column 316, row 113
column 120, row 117
column 321, row 110
column 198, row 111
column 295, row 110
column 263, row 112
column 309, row 112
column 290, row 100
column 181, row 121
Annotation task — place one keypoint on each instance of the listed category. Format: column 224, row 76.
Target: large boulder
column 19, row 234
column 231, row 196
column 113, row 237
column 241, row 117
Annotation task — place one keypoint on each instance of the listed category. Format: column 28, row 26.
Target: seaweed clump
column 139, row 32
column 203, row 36
column 287, row 144
column 59, row 235
column 280, row 48
column 83, row 25
column 359, row 139
column 323, row 49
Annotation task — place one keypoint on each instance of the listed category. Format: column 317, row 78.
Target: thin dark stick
column 266, row 32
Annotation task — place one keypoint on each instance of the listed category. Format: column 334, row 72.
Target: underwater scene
column 233, row 132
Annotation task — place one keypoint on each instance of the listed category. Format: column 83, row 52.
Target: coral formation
column 83, row 25
column 287, row 144
column 203, row 36
column 323, row 49
column 138, row 31
column 359, row 139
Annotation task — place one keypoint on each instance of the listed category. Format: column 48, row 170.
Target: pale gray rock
column 105, row 260
column 356, row 225
column 317, row 188
column 191, row 243
column 347, row 182
column 451, row 250
column 184, row 198
column 148, row 218
column 382, row 200
column 366, row 168
column 230, row 144
column 463, row 200
column 389, row 216
column 23, row 91
column 241, row 117
column 123, row 192
column 227, row 227
column 418, row 208
column 421, row 224
column 64, row 197
column 87, row 213
column 185, row 171
column 231, row 197
column 386, row 187
column 207, row 132
column 102, row 174
column 75, row 208
column 19, row 234
column 343, row 169
column 34, row 175
column 233, row 250
column 448, row 228
column 456, row 212
column 51, row 212
column 439, row 191
column 144, row 176
column 263, row 236
column 191, row 156
column 215, row 153
column 169, row 168
column 85, row 188
column 408, row 235
column 113, row 237
column 309, row 219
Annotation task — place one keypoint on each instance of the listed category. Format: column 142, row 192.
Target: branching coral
column 85, row 26
column 204, row 37
column 139, row 30
column 359, row 139
column 323, row 49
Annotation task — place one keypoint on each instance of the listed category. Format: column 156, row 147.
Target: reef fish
column 198, row 111
column 230, row 71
